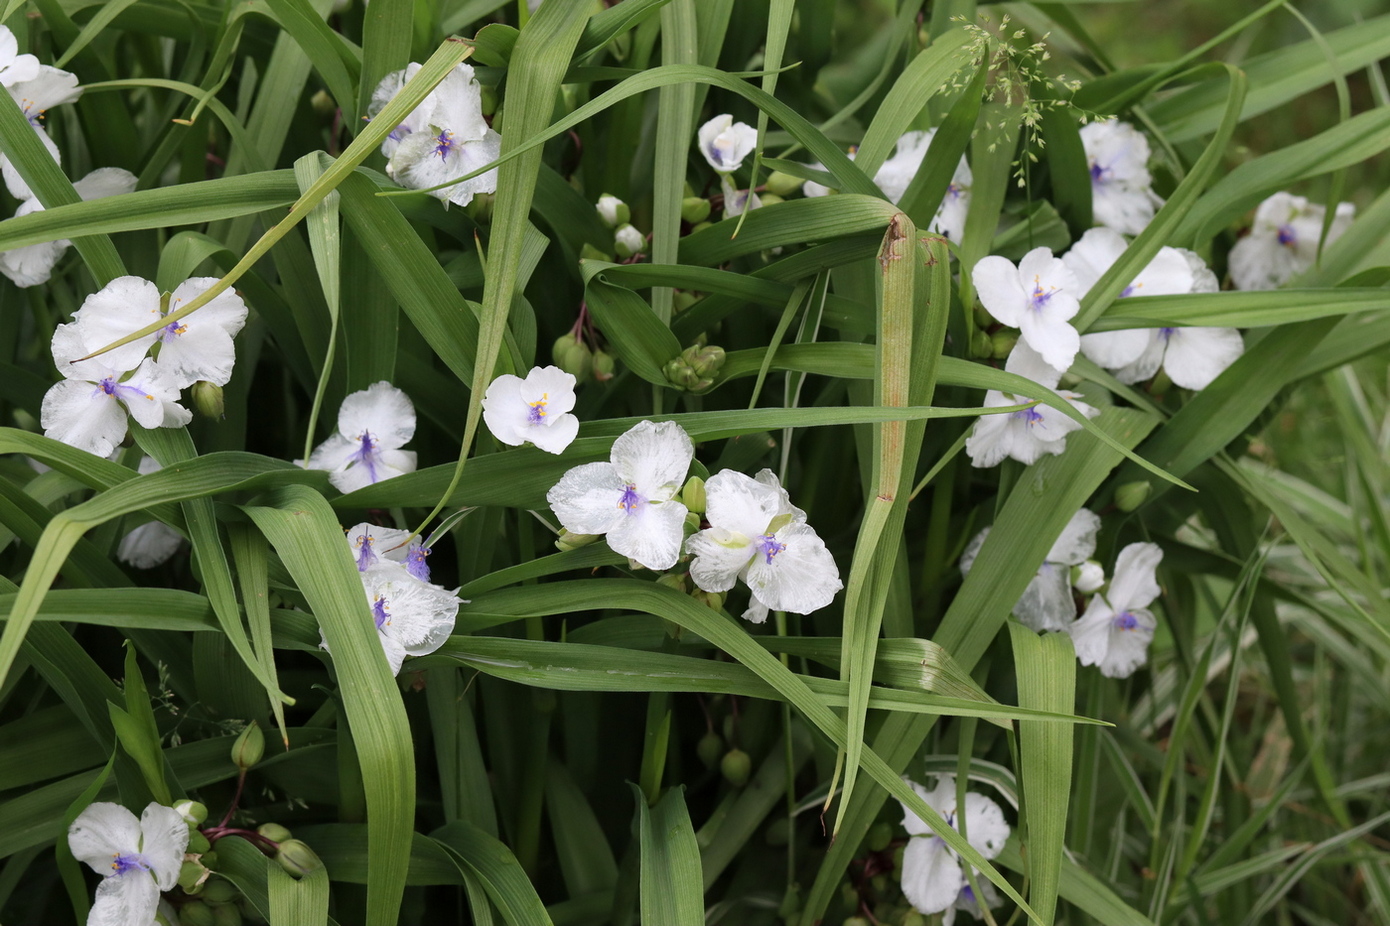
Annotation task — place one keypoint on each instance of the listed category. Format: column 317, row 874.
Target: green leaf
column 492, row 863
column 672, row 886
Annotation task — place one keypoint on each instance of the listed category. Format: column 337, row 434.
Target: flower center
column 1166, row 333
column 967, row 895
column 768, row 546
column 366, row 454
column 630, row 499
column 1125, row 621
column 1287, row 236
column 365, row 556
column 399, row 132
column 1029, row 416
column 415, row 563
column 381, row 612
column 128, row 862
column 35, row 117
column 122, row 391
column 1098, row 172
column 537, row 413
column 1039, row 297
column 1129, row 290
column 954, row 191
column 444, row 143
column 722, row 147
column 171, row 331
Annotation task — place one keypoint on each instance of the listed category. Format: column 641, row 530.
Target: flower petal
column 1196, row 356
column 1077, row 542
column 650, row 533
column 1116, row 349
column 18, row 188
column 386, row 464
column 553, row 386
column 1090, row 634
column 1135, row 584
column 121, row 307
column 588, row 498
column 1046, row 604
column 931, row 876
column 801, row 577
column 556, row 434
column 740, row 504
column 124, row 900
column 164, row 839
column 81, row 415
column 985, row 826
column 654, row 458
column 1000, row 288
column 720, row 556
column 333, row 455
column 382, row 409
column 102, row 831
column 992, row 438
column 1051, row 336
column 1128, row 644
column 504, row 411
column 972, row 550
column 149, row 545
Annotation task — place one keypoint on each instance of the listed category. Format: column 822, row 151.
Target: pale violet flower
column 195, row 347
column 373, row 425
column 88, row 408
column 896, row 174
column 967, row 902
column 35, row 96
column 1047, row 601
column 1283, row 242
column 725, row 143
column 1027, row 435
column 1116, row 629
column 32, row 264
column 372, row 546
column 535, row 409
column 412, row 618
column 757, row 535
column 1121, row 195
column 153, row 542
column 1168, row 274
column 136, row 858
column 443, row 138
column 932, row 876
column 631, row 498
column 14, row 67
column 736, row 201
column 1038, row 297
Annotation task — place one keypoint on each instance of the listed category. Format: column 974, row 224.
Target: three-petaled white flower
column 725, row 143
column 372, row 545
column 736, row 201
column 195, row 347
column 756, row 534
column 36, row 88
column 1026, row 435
column 1121, row 195
column 1047, row 602
column 1038, row 297
column 631, row 498
column 896, row 174
column 87, row 409
column 534, row 409
column 32, row 264
column 443, row 138
column 1116, row 629
column 153, row 542
column 1283, row 242
column 412, row 617
column 932, row 876
column 138, row 859
column 373, row 424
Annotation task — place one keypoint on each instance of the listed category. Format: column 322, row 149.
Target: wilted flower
column 373, row 425
column 1283, row 242
column 1038, row 297
column 1121, row 194
column 932, row 876
column 137, row 859
column 1047, row 601
column 757, row 535
column 631, row 498
column 33, row 264
column 725, row 143
column 1027, row 435
column 1116, row 629
column 534, row 409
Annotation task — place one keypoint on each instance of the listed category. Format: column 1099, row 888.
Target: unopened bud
column 572, row 355
column 693, row 495
column 1088, row 577
column 274, row 832
column 982, row 317
column 700, row 226
column 249, row 746
column 710, row 749
column 770, row 199
column 480, row 209
column 589, row 252
column 1161, row 383
column 673, row 580
column 1132, row 494
column 196, row 913
column 683, row 299
column 297, row 858
column 193, row 812
column 1002, row 342
column 783, row 185
column 981, row 345
column 197, row 842
column 879, row 836
column 612, row 211
column 694, row 209
column 736, row 767
column 207, row 399
column 323, row 103
column 226, row 915
column 489, row 100
column 692, row 523
column 712, row 600
column 209, row 859
column 603, row 366
column 628, row 241
column 220, row 891
column 192, row 875
column 570, row 541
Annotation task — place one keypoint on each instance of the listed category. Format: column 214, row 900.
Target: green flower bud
column 568, row 541
column 226, row 915
column 192, row 875
column 489, row 100
column 323, row 103
column 710, row 749
column 673, row 580
column 783, row 185
column 736, row 767
column 694, row 209
column 628, row 242
column 274, row 832
column 1161, row 383
column 207, row 399
column 770, row 199
column 856, row 921
column 693, row 495
column 209, row 859
column 603, row 366
column 982, row 317
column 790, row 906
column 981, row 345
column 196, row 913
column 707, row 360
column 589, row 252
column 612, row 211
column 683, row 299
column 913, row 918
column 573, row 356
column 197, row 842
column 220, row 891
column 1132, row 494
column 1088, row 577
column 700, row 226
column 712, row 600
column 297, row 858
column 249, row 747
column 692, row 523
column 1003, row 342
column 193, row 812
column 880, row 835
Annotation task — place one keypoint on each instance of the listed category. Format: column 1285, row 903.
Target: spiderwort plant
column 534, row 410
column 932, row 876
column 373, row 425
column 1038, row 296
column 138, row 859
column 1032, row 432
column 1122, row 196
column 1047, row 603
column 1118, row 626
column 1284, row 240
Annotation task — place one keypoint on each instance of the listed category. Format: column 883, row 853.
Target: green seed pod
column 694, row 209
column 274, row 832
column 1003, row 342
column 692, row 523
column 712, row 600
column 220, row 891
column 736, row 767
column 208, row 400
column 770, row 199
column 197, row 842
column 297, row 858
column 693, row 495
column 209, row 859
column 589, row 252
column 683, row 300
column 573, row 356
column 710, row 749
column 880, row 835
column 981, row 345
column 568, row 541
column 226, row 915
column 249, row 747
column 193, row 812
column 1132, row 494
column 603, row 366
column 673, row 580
column 783, row 185
column 196, row 913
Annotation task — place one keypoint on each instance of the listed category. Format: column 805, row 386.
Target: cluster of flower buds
column 696, row 367
column 628, row 242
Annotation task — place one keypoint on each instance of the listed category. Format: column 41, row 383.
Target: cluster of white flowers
column 443, row 138
column 88, row 408
column 138, row 859
column 413, row 617
column 373, row 425
column 1031, row 433
column 1117, row 627
column 933, row 879
column 1283, row 242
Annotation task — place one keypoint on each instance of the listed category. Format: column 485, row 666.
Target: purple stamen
column 381, row 612
column 131, row 862
column 1029, row 416
column 399, row 132
column 768, row 546
column 1125, row 621
column 537, row 413
column 953, row 191
column 967, row 895
column 122, row 391
column 415, row 562
column 1039, row 299
column 366, row 455
column 445, row 144
column 365, row 556
column 171, row 331
column 1098, row 173
column 1166, row 333
column 1287, row 235
column 630, row 499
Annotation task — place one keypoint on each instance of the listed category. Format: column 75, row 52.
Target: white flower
column 1121, row 196
column 967, row 901
column 725, row 143
column 48, row 88
column 896, row 174
column 33, row 263
column 627, row 241
column 137, row 859
column 612, row 211
column 757, row 535
column 931, row 876
column 151, row 543
column 413, row 618
column 813, row 189
column 630, row 498
column 1168, row 274
column 1283, row 242
column 1116, row 629
column 373, row 424
column 1088, row 577
column 1038, row 297
column 196, row 347
column 1192, row 357
column 534, row 409
column 1028, row 434
column 14, row 67
column 88, row 408
column 1047, row 603
column 372, row 546
column 736, row 201
column 445, row 137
